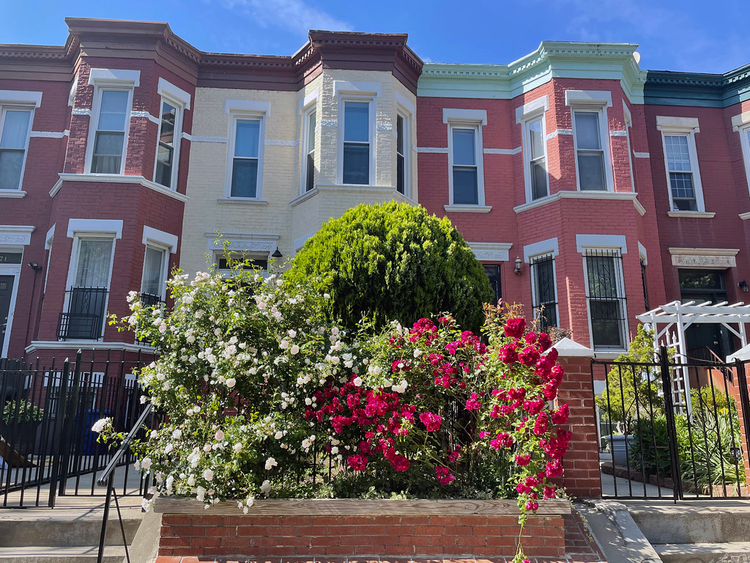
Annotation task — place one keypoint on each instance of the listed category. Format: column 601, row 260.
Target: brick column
column 582, row 477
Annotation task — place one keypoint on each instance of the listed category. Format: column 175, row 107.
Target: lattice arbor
column 670, row 322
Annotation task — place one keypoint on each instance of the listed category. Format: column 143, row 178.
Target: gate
column 673, row 430
column 47, row 447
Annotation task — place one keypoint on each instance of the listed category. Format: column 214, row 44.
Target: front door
column 701, row 286
column 6, row 290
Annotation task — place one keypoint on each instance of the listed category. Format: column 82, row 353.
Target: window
column 628, row 127
column 679, row 168
column 402, row 154
column 536, row 158
column 250, row 260
column 605, row 294
column 246, row 157
column 155, row 265
column 544, row 290
column 589, row 151
column 166, row 154
column 643, row 281
column 308, row 169
column 465, row 170
column 15, row 124
column 111, row 125
column 493, row 273
column 356, row 154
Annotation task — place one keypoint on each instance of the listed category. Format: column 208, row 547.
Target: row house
column 590, row 189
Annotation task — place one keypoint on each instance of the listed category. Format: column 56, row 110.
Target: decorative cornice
column 696, row 89
column 116, row 179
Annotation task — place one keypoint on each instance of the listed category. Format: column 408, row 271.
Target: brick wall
column 335, row 536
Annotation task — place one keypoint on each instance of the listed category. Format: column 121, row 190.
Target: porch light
column 743, row 286
column 276, row 253
column 517, row 269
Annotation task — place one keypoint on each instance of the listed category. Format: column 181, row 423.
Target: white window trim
column 306, row 110
column 13, row 270
column 48, row 242
column 173, row 92
column 741, row 124
column 3, row 111
column 245, row 111
column 525, row 114
column 121, row 78
column 533, row 250
column 371, row 99
column 177, row 136
column 162, row 239
column 688, row 127
column 94, row 123
column 594, row 101
column 164, row 274
column 466, row 119
column 407, row 115
column 80, row 229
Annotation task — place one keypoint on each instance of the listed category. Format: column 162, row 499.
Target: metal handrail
column 107, row 478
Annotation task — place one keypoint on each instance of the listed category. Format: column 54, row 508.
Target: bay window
column 246, row 157
column 536, row 158
column 166, row 154
column 110, row 132
column 591, row 138
column 403, row 147
column 357, row 142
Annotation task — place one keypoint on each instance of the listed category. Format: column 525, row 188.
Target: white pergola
column 669, row 323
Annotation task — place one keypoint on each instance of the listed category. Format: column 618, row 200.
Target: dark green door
column 6, row 290
column 701, row 286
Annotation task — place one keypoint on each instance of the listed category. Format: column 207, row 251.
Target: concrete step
column 692, row 522
column 55, row 554
column 82, row 531
column 705, row 552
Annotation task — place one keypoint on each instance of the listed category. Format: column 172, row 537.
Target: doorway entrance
column 6, row 294
column 706, row 341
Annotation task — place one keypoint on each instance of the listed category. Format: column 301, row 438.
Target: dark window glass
column 543, row 278
column 493, row 273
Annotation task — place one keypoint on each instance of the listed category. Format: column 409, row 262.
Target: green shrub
column 649, row 449
column 22, row 411
column 393, row 262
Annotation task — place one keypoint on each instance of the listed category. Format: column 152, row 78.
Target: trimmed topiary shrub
column 393, row 262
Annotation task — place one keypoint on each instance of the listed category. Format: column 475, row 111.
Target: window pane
column 463, row 147
column 311, row 132
column 11, row 162
column 247, row 139
column 682, row 186
column 591, row 171
column 678, row 155
column 152, row 271
column 107, row 153
column 400, row 134
column 168, row 118
column 701, row 279
column 164, row 165
column 94, row 258
column 356, row 122
column 601, row 274
column 465, row 186
column 113, row 110
column 536, row 140
column 588, row 135
column 400, row 173
column 538, row 179
column 310, row 184
column 493, row 273
column 244, row 178
column 15, row 129
column 605, row 323
column 356, row 164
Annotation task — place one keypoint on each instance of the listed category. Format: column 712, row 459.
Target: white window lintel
column 357, row 88
column 549, row 246
column 404, row 103
column 21, row 97
column 585, row 242
column 532, row 109
column 160, row 238
column 115, row 77
column 601, row 98
column 309, row 99
column 668, row 123
column 77, row 227
column 173, row 92
column 247, row 106
column 478, row 116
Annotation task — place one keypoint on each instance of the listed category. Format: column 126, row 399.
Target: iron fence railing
column 85, row 311
column 46, row 443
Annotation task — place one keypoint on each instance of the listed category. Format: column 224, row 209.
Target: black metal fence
column 47, row 447
column 673, row 429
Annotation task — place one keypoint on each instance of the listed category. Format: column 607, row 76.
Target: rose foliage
column 265, row 399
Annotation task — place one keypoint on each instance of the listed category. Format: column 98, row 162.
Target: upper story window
column 308, row 158
column 402, row 145
column 465, row 155
column 247, row 123
column 531, row 116
column 591, row 138
column 628, row 127
column 741, row 124
column 15, row 124
column 159, row 245
column 356, row 164
column 173, row 104
column 681, row 162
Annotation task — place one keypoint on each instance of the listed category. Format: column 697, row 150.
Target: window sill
column 15, row 194
column 467, row 208
column 608, row 354
column 116, row 179
column 692, row 214
column 571, row 194
column 242, row 200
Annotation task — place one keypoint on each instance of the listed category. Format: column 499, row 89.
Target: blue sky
column 687, row 35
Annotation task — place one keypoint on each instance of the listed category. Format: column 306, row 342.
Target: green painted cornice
column 553, row 59
column 696, row 89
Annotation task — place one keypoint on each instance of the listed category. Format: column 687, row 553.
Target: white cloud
column 296, row 16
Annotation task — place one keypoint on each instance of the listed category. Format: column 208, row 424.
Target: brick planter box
column 334, row 528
